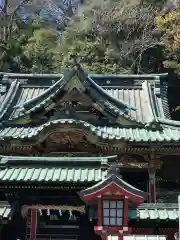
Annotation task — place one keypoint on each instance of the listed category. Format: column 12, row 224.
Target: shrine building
column 86, row 156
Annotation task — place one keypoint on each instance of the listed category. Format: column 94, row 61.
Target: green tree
column 168, row 25
column 16, row 60
column 9, row 23
column 109, row 36
column 12, row 26
column 39, row 51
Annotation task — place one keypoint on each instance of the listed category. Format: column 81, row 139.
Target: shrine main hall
column 86, row 156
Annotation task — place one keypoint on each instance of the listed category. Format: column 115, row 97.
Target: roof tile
column 155, row 211
column 55, row 175
column 127, row 89
column 166, row 134
column 5, row 210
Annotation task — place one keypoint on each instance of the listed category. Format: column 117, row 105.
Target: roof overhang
column 113, row 185
column 6, row 212
column 156, row 211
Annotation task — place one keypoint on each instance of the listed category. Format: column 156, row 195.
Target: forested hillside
column 107, row 36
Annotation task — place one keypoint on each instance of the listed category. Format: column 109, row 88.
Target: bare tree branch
column 7, row 20
column 128, row 28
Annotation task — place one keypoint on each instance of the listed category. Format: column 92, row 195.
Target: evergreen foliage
column 106, row 36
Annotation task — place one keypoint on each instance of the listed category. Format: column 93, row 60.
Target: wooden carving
column 64, row 138
column 68, row 140
column 127, row 161
column 74, row 83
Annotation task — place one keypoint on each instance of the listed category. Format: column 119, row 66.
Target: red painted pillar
column 100, row 211
column 152, row 185
column 120, row 237
column 104, row 236
column 33, row 226
column 125, row 221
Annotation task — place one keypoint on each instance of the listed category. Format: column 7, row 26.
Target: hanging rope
column 60, row 208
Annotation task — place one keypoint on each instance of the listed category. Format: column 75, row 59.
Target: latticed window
column 113, row 212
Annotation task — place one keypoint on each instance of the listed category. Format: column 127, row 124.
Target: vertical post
column 104, row 236
column 100, row 211
column 33, row 224
column 126, row 201
column 179, row 214
column 1, row 227
column 152, row 185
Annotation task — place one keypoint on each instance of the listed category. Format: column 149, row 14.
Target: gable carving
column 76, row 134
column 128, row 161
column 74, row 83
column 65, row 138
column 76, row 96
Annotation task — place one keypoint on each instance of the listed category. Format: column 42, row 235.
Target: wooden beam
column 139, row 165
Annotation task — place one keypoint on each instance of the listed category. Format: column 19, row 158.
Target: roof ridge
column 157, row 93
column 157, row 205
column 63, row 159
column 114, row 100
column 117, row 102
column 164, row 100
column 9, row 97
column 30, row 75
column 145, row 76
column 118, row 110
column 111, row 106
column 146, row 87
column 151, row 101
column 8, row 161
column 169, row 122
column 44, row 94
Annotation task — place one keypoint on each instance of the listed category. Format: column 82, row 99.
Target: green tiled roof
column 166, row 134
column 115, row 94
column 112, row 106
column 52, row 169
column 155, row 212
column 53, row 175
column 119, row 94
column 5, row 210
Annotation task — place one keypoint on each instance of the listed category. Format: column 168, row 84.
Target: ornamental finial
column 75, row 60
column 114, row 170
